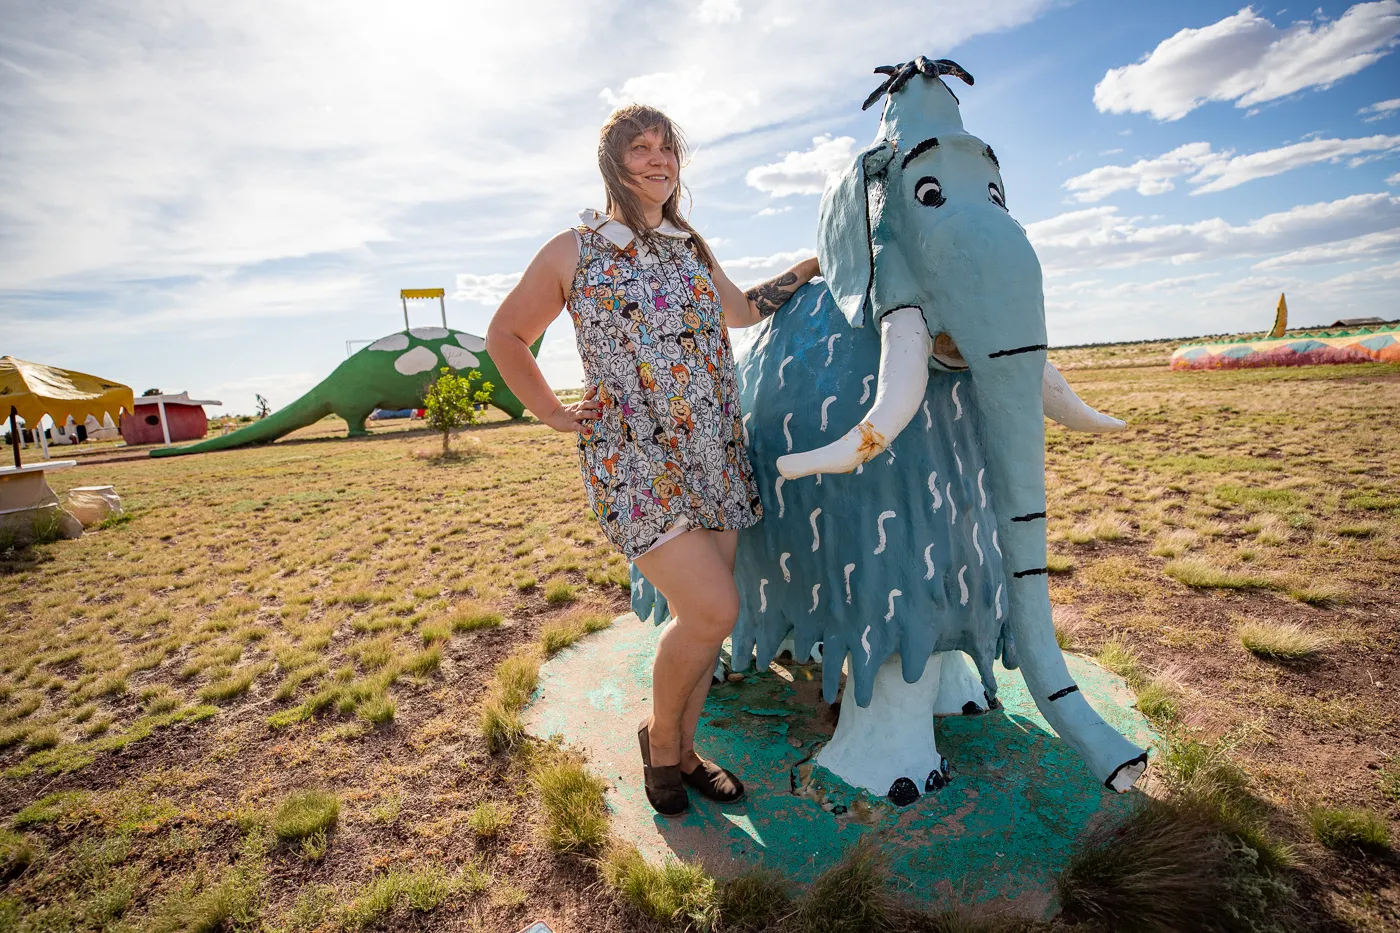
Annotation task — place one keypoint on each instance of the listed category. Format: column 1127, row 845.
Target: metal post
column 405, row 311
column 164, row 426
column 14, row 434
column 443, row 303
column 42, row 437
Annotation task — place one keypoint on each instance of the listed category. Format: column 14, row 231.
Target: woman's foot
column 665, row 785
column 711, row 780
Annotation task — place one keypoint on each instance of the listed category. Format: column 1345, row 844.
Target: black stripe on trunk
column 1031, row 573
column 1072, row 688
column 1030, row 349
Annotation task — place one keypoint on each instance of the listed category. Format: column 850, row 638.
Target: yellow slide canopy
column 422, row 292
column 36, row 390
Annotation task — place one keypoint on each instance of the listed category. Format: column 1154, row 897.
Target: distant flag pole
column 438, row 293
column 1280, row 318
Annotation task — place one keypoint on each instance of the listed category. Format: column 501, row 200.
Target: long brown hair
column 622, row 203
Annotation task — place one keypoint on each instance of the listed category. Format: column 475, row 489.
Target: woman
column 661, row 444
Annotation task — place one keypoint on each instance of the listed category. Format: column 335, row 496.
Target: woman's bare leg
column 728, row 542
column 697, row 579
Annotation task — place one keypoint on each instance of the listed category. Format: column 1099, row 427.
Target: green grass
column 51, row 808
column 421, row 890
column 304, row 813
column 499, row 717
column 471, row 618
column 675, row 893
column 1201, row 574
column 1274, row 641
column 575, row 817
column 1158, row 701
column 424, row 662
column 377, row 710
column 235, row 685
column 1119, row 657
column 489, row 819
column 228, row 901
column 1348, row 827
column 849, row 897
column 16, row 853
column 558, row 635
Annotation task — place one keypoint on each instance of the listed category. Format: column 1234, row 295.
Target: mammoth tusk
column 1063, row 406
column 899, row 389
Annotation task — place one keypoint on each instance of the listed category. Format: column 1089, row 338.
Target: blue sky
column 215, row 197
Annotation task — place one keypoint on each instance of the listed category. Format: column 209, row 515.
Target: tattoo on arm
column 773, row 294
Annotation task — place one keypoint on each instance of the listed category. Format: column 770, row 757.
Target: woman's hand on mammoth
column 743, row 308
column 576, row 417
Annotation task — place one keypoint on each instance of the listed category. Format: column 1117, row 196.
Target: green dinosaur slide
column 390, row 373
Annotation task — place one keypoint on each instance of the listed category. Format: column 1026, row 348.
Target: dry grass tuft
column 1347, row 827
column 575, row 814
column 1275, row 641
column 1202, row 574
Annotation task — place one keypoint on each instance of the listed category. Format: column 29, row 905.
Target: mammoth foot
column 960, row 691
column 888, row 747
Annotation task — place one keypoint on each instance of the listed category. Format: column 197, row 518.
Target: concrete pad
column 992, row 841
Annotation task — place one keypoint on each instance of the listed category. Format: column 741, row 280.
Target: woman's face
column 652, row 167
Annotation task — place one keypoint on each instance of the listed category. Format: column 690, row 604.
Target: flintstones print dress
column 667, row 453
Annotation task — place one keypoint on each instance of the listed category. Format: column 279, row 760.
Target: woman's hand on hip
column 576, row 417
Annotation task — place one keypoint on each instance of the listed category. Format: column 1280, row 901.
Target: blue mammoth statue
column 895, row 421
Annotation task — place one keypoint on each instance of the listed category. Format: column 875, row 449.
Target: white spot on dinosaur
column 880, row 527
column 391, row 342
column 826, row 403
column 977, row 545
column 865, row 643
column 928, row 562
column 948, row 488
column 846, row 572
column 745, row 425
column 865, row 384
column 994, row 542
column 762, row 596
column 778, row 490
column 831, row 346
column 458, row 358
column 962, row 586
column 787, row 435
column 417, row 360
column 472, row 342
column 786, row 360
column 893, row 593
column 956, row 386
column 980, row 488
column 816, row 535
column 933, row 490
column 782, row 562
column 816, row 597
column 998, row 601
column 429, row 333
column 928, row 418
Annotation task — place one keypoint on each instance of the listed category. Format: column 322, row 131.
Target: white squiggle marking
column 826, row 403
column 928, row 562
column 860, row 468
column 865, row 383
column 786, row 360
column 893, row 593
column 994, row 542
column 956, row 459
column 928, row 418
column 933, row 491
column 978, row 545
column 865, row 643
column 745, row 423
column 819, row 479
column 782, row 562
column 998, row 600
column 880, row 527
column 745, row 376
column 831, row 346
column 951, row 504
column 956, row 386
column 787, row 435
column 816, row 535
column 846, row 571
column 980, row 488
column 962, row 586
column 778, row 490
column 816, row 597
column 762, row 596
column 820, row 299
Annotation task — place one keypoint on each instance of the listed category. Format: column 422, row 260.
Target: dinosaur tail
column 310, row 408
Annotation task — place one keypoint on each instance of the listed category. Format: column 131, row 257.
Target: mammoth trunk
column 1009, row 391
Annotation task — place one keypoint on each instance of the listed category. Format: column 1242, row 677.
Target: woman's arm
column 744, row 308
column 532, row 304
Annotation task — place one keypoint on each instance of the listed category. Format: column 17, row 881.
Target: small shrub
column 1274, row 641
column 451, row 401
column 435, row 632
column 575, row 815
column 314, row 846
column 377, row 710
column 1322, row 594
column 1059, row 563
column 559, row 594
column 424, row 662
column 516, row 679
column 753, row 902
column 421, row 889
column 40, row 739
column 1118, row 656
column 524, row 582
column 305, row 813
column 469, row 619
column 1157, row 701
column 556, row 636
column 488, row 819
column 235, row 685
column 1347, row 827
column 1201, row 574
column 673, row 893
column 850, row 896
column 1174, row 543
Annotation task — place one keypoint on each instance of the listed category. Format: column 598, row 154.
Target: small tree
column 264, row 409
column 452, row 402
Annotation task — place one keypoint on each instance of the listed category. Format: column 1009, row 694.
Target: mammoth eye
column 995, row 194
column 928, row 192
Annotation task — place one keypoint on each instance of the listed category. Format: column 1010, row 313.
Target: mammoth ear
column 848, row 218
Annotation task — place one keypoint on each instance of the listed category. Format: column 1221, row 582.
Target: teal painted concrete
column 992, row 840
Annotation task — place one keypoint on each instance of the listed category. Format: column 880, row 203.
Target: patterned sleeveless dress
column 667, row 453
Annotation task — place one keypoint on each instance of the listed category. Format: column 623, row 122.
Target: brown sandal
column 714, row 782
column 664, row 783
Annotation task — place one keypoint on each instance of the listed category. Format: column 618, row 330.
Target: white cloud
column 1368, row 246
column 750, row 270
column 774, row 211
column 699, row 103
column 719, row 11
column 803, row 172
column 488, row 289
column 1245, row 58
column 1381, row 110
column 1217, row 171
column 1100, row 237
column 1393, row 179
